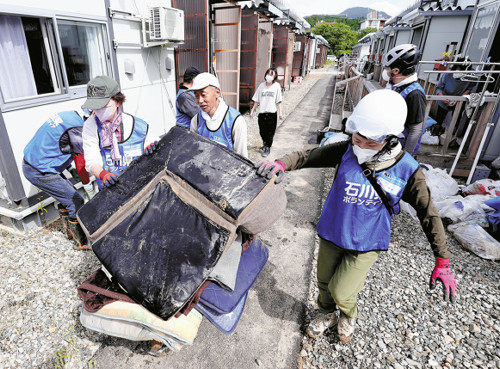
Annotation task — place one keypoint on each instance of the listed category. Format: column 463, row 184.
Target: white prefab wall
column 87, row 8
column 442, row 31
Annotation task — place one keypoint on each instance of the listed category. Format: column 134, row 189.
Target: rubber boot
column 75, row 230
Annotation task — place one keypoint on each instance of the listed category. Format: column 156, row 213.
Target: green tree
column 313, row 20
column 339, row 35
column 363, row 33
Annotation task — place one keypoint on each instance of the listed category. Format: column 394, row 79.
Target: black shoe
column 266, row 152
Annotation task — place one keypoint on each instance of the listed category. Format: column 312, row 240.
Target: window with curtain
column 24, row 63
column 480, row 32
column 31, row 65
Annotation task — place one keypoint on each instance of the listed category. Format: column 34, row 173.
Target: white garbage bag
column 440, row 183
column 475, row 239
column 460, row 209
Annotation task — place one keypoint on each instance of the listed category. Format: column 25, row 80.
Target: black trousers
column 267, row 127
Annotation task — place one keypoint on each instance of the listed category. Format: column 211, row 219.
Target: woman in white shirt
column 268, row 97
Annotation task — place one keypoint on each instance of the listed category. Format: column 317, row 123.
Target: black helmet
column 404, row 57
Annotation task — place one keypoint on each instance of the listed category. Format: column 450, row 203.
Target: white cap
column 203, row 80
column 379, row 114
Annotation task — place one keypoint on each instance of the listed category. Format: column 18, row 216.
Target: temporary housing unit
column 321, row 51
column 282, row 54
column 313, row 44
column 49, row 55
column 232, row 39
column 256, row 45
column 363, row 47
column 299, row 52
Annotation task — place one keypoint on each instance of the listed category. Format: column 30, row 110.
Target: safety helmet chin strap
column 391, row 142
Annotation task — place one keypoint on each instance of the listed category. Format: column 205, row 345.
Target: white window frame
column 52, row 42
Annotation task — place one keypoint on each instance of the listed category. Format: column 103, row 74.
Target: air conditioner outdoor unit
column 166, row 24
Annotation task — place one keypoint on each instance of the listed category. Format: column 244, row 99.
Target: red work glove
column 150, row 148
column 268, row 169
column 80, row 168
column 108, row 179
column 443, row 272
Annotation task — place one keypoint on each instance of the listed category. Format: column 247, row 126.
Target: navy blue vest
column 414, row 86
column 182, row 119
column 130, row 149
column 224, row 134
column 353, row 216
column 43, row 152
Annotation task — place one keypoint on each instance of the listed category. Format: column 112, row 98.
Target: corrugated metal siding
column 289, row 59
column 264, row 47
column 298, row 57
column 194, row 51
column 279, row 53
column 227, row 42
column 248, row 63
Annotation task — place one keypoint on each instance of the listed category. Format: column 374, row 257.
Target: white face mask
column 105, row 114
column 457, row 75
column 385, row 75
column 269, row 78
column 363, row 155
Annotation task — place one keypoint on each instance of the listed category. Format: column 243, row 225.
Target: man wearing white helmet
column 373, row 175
column 399, row 70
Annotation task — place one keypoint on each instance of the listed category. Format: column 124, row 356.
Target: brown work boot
column 346, row 328
column 74, row 229
column 321, row 323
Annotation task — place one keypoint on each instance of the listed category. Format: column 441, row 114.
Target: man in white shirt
column 216, row 120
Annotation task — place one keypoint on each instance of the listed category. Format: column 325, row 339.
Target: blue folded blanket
column 252, row 261
column 226, row 323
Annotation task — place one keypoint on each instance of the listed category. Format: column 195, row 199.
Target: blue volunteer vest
column 182, row 119
column 223, row 135
column 414, row 86
column 130, row 149
column 43, row 151
column 353, row 216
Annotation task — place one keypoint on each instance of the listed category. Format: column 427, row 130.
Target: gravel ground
column 401, row 324
column 39, row 304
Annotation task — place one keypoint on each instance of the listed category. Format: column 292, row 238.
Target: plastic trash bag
column 484, row 186
column 440, row 183
column 461, row 209
column 475, row 239
column 428, row 139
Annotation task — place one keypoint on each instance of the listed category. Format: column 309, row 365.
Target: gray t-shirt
column 268, row 97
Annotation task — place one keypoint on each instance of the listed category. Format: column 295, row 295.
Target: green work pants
column 341, row 275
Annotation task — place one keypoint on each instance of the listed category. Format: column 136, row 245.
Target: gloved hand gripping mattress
column 162, row 228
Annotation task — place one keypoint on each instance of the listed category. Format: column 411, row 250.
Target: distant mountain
column 360, row 12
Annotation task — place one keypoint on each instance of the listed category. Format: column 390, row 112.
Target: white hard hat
column 203, row 80
column 379, row 114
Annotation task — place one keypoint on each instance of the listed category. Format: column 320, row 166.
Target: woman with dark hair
column 111, row 138
column 268, row 97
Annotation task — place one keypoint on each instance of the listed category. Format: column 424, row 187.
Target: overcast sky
column 310, row 7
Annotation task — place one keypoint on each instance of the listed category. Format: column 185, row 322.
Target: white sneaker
column 346, row 328
column 321, row 323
